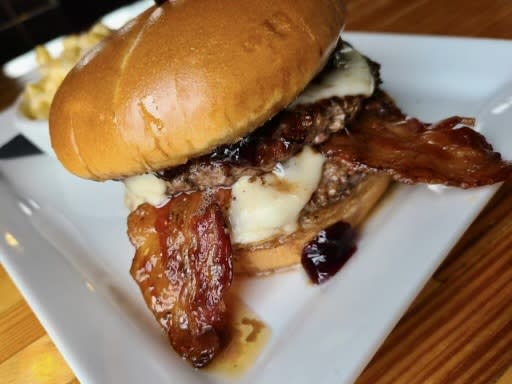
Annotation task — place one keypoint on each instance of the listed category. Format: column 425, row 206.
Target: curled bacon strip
column 383, row 139
column 183, row 267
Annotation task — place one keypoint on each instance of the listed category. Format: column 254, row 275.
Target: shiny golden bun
column 185, row 77
column 273, row 256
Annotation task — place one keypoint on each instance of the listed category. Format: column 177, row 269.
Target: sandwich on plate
column 250, row 138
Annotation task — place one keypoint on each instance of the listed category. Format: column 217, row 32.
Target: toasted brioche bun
column 185, row 77
column 275, row 255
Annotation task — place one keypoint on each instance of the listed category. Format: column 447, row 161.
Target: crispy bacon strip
column 183, row 267
column 383, row 139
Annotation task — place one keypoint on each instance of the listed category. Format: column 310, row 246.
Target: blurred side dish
column 37, row 97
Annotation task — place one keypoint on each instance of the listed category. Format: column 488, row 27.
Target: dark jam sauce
column 324, row 256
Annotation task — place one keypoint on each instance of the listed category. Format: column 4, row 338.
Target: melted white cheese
column 355, row 78
column 144, row 189
column 267, row 206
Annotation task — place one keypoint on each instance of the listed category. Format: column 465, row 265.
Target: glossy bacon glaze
column 383, row 139
column 183, row 267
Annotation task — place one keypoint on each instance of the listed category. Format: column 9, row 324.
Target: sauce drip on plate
column 324, row 256
column 248, row 336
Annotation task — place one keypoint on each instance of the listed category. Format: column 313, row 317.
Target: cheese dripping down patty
column 353, row 78
column 144, row 189
column 268, row 206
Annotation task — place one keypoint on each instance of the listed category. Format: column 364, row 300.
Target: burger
column 250, row 138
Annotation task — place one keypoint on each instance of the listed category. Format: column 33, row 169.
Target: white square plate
column 63, row 241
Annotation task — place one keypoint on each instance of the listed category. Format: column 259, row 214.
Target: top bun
column 186, row 77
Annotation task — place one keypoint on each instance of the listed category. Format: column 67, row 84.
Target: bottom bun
column 281, row 254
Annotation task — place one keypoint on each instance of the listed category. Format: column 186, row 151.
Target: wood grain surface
column 459, row 329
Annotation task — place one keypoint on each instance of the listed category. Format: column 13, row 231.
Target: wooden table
column 459, row 330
